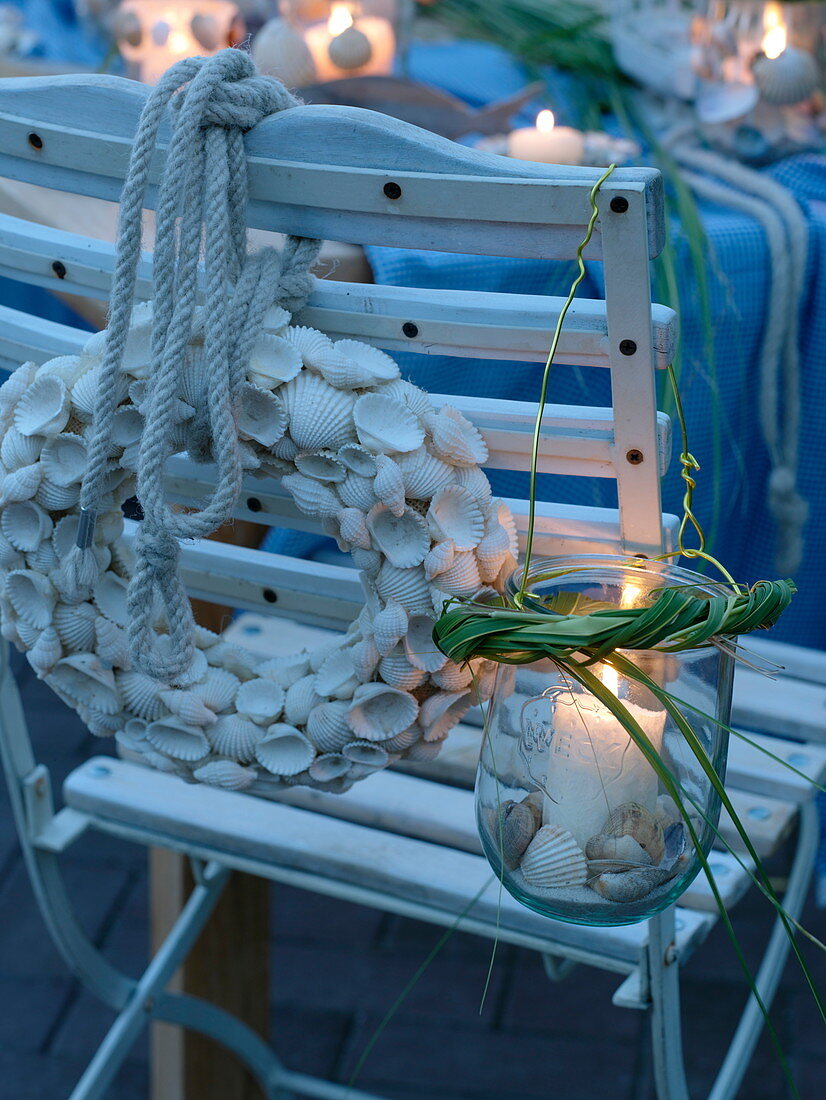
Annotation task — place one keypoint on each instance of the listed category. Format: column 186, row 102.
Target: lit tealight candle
column 349, row 44
column 154, row 34
column 546, row 142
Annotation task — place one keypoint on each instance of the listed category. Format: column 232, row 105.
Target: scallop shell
column 421, row 650
column 336, row 677
column 327, row 726
column 57, row 498
column 13, row 388
column 389, row 626
column 217, row 689
column 424, row 751
column 20, row 484
column 232, row 658
column 442, row 711
column 273, row 361
column 365, row 659
column 300, row 699
column 31, row 595
column 439, row 559
column 286, row 670
column 366, row 752
column 84, row 397
column 235, row 737
column 25, row 524
column 395, row 669
column 175, row 738
column 408, row 587
column 110, row 598
column 374, row 366
column 75, row 625
column 127, row 426
column 10, row 557
column 358, row 459
column 261, row 700
column 321, row 417
column 423, row 474
column 787, row 79
column 284, row 750
column 111, row 642
column 554, row 859
column 141, row 694
column 261, row 415
column 402, row 741
column 351, row 49
column 311, row 497
column 46, row 652
column 43, row 559
column 313, row 346
column 368, row 561
column 514, row 827
column 19, row 450
column 83, row 678
column 632, row 819
column 403, row 539
column 454, row 514
column 475, row 481
column 492, row 552
column 357, row 492
column 44, row 408
column 462, row 578
column 386, row 426
column 285, row 450
column 188, row 707
column 64, row 459
column 323, row 466
column 280, row 51
column 453, row 677
column 342, row 372
column 388, row 484
column 454, row 439
column 498, row 512
column 354, row 529
column 328, row 766
column 28, row 634
column 226, row 774
column 378, row 712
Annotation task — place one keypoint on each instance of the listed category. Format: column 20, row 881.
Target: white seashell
column 235, row 737
column 423, row 474
column 354, row 529
column 439, row 559
column 386, row 426
column 273, row 361
column 284, row 750
column 389, row 626
column 454, row 438
column 365, row 659
column 323, row 466
column 110, row 597
column 351, row 49
column 402, row 741
column 278, row 50
column 112, row 643
column 64, row 536
column 83, row 678
column 454, row 514
column 357, row 492
column 368, row 561
column 127, row 426
column 453, row 677
column 84, row 396
column 328, row 727
column 46, row 652
column 230, row 658
column 342, row 372
column 32, row 597
column 403, row 540
column 424, row 751
column 64, row 459
column 226, row 774
column 336, row 677
column 409, row 587
column 313, row 346
column 10, row 556
column 397, row 671
column 300, row 699
column 44, row 408
column 20, row 484
column 175, row 738
column 357, row 459
column 138, row 389
column 25, row 524
column 492, row 552
column 442, row 711
column 217, row 689
column 197, row 667
column 498, row 512
column 554, row 859
column 43, row 559
column 462, row 578
column 328, row 768
column 421, row 650
column 17, row 383
column 19, row 450
column 261, row 415
column 417, row 400
column 321, row 417
column 378, row 711
column 286, row 670
column 141, row 694
column 188, row 707
column 475, row 481
column 261, row 700
column 28, row 634
column 75, row 625
column 311, row 497
column 285, row 450
column 366, row 752
column 388, row 484
column 787, row 79
column 57, row 498
column 374, row 366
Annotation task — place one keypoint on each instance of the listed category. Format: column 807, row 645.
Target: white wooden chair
column 404, row 843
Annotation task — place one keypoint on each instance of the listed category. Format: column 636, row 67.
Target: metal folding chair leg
column 666, row 1029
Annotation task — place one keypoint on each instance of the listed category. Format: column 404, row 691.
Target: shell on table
column 378, row 712
column 75, row 625
column 365, row 658
column 454, row 439
column 423, row 474
column 226, row 774
column 376, row 366
column 320, row 416
column 311, row 497
column 441, row 712
column 421, row 650
column 322, row 465
column 327, row 725
column 462, row 577
column 260, row 415
column 273, row 361
column 300, row 699
column 403, row 539
column 514, row 827
column 492, row 552
column 388, row 484
column 18, row 450
column 351, row 49
column 83, row 678
column 111, row 642
column 615, row 853
column 260, row 699
column 188, row 707
column 141, row 694
column 44, row 407
column 21, row 484
column 25, row 525
column 31, row 595
column 454, row 514
column 64, row 458
column 329, row 766
column 217, row 690
column 395, row 669
column 46, row 652
column 110, row 598
column 235, row 736
column 357, row 459
column 439, row 559
column 409, row 587
column 336, row 678
column 634, row 820
column 279, row 50
column 284, row 750
column 389, row 626
column 385, row 425
column 173, row 737
column 353, row 528
column 554, row 859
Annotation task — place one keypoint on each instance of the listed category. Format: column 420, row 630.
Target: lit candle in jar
column 784, row 74
column 154, row 34
column 546, row 142
column 349, row 44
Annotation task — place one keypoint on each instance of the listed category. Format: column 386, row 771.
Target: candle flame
column 610, row 678
column 545, row 122
column 630, row 594
column 340, row 19
column 775, row 38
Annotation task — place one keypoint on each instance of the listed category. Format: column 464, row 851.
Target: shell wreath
column 395, row 481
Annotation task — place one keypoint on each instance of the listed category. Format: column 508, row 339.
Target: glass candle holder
column 154, row 34
column 572, row 816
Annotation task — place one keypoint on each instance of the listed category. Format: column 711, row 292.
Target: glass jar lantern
column 572, row 817
column 347, row 37
column 154, row 34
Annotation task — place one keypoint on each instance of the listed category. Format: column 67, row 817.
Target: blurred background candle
column 154, row 34
column 546, row 142
column 349, row 43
